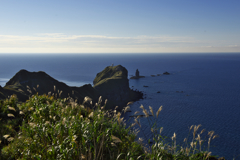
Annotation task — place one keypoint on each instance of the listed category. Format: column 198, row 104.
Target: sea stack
column 137, row 75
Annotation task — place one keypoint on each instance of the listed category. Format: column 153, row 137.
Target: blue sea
column 201, row 88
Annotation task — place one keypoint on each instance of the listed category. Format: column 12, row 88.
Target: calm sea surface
column 201, row 88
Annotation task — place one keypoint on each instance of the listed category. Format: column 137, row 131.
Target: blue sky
column 119, row 26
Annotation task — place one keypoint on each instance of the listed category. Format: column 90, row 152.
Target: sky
column 119, row 26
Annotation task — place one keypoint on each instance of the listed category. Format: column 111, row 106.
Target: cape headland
column 112, row 84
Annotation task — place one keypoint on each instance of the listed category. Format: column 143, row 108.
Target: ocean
column 202, row 88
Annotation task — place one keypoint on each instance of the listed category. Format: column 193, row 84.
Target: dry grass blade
column 11, row 108
column 140, row 139
column 136, row 112
column 129, row 103
column 29, row 91
column 83, row 157
column 127, row 109
column 60, row 93
column 209, row 153
column 215, row 136
column 105, row 102
column 144, row 111
column 100, row 100
column 113, row 144
column 195, row 130
column 151, row 110
column 20, row 90
column 136, row 121
column 210, row 133
column 202, row 131
column 87, row 99
column 116, row 139
column 21, row 112
column 159, row 110
column 161, row 129
column 10, row 115
column 6, row 136
column 10, row 139
column 174, row 136
column 133, row 124
column 90, row 115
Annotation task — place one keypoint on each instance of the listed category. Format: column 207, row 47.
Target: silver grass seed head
column 100, row 100
column 10, row 115
column 6, row 136
column 151, row 110
column 136, row 112
column 105, row 102
column 161, row 129
column 159, row 110
column 11, row 108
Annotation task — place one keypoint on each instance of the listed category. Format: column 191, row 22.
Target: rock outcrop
column 26, row 83
column 113, row 84
column 166, row 73
column 137, row 75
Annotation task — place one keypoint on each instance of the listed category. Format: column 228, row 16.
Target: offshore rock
column 137, row 75
column 166, row 73
column 113, row 84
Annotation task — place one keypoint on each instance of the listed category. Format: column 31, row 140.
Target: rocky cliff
column 26, row 83
column 113, row 84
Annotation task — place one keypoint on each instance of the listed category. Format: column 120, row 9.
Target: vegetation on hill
column 112, row 84
column 25, row 83
column 45, row 127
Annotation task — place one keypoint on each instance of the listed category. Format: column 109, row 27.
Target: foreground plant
column 62, row 129
column 167, row 148
column 45, row 127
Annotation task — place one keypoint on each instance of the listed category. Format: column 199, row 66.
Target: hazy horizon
column 135, row 26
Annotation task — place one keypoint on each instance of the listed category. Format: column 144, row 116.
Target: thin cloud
column 62, row 43
column 59, row 37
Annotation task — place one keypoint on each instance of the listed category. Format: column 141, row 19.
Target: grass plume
column 46, row 127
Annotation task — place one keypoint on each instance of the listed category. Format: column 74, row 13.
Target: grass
column 45, row 127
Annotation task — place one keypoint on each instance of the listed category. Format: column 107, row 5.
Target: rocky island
column 112, row 84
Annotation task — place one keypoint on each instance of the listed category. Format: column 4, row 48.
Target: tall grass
column 45, row 127
column 167, row 148
column 62, row 129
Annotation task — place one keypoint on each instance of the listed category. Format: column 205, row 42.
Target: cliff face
column 113, row 84
column 25, row 83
